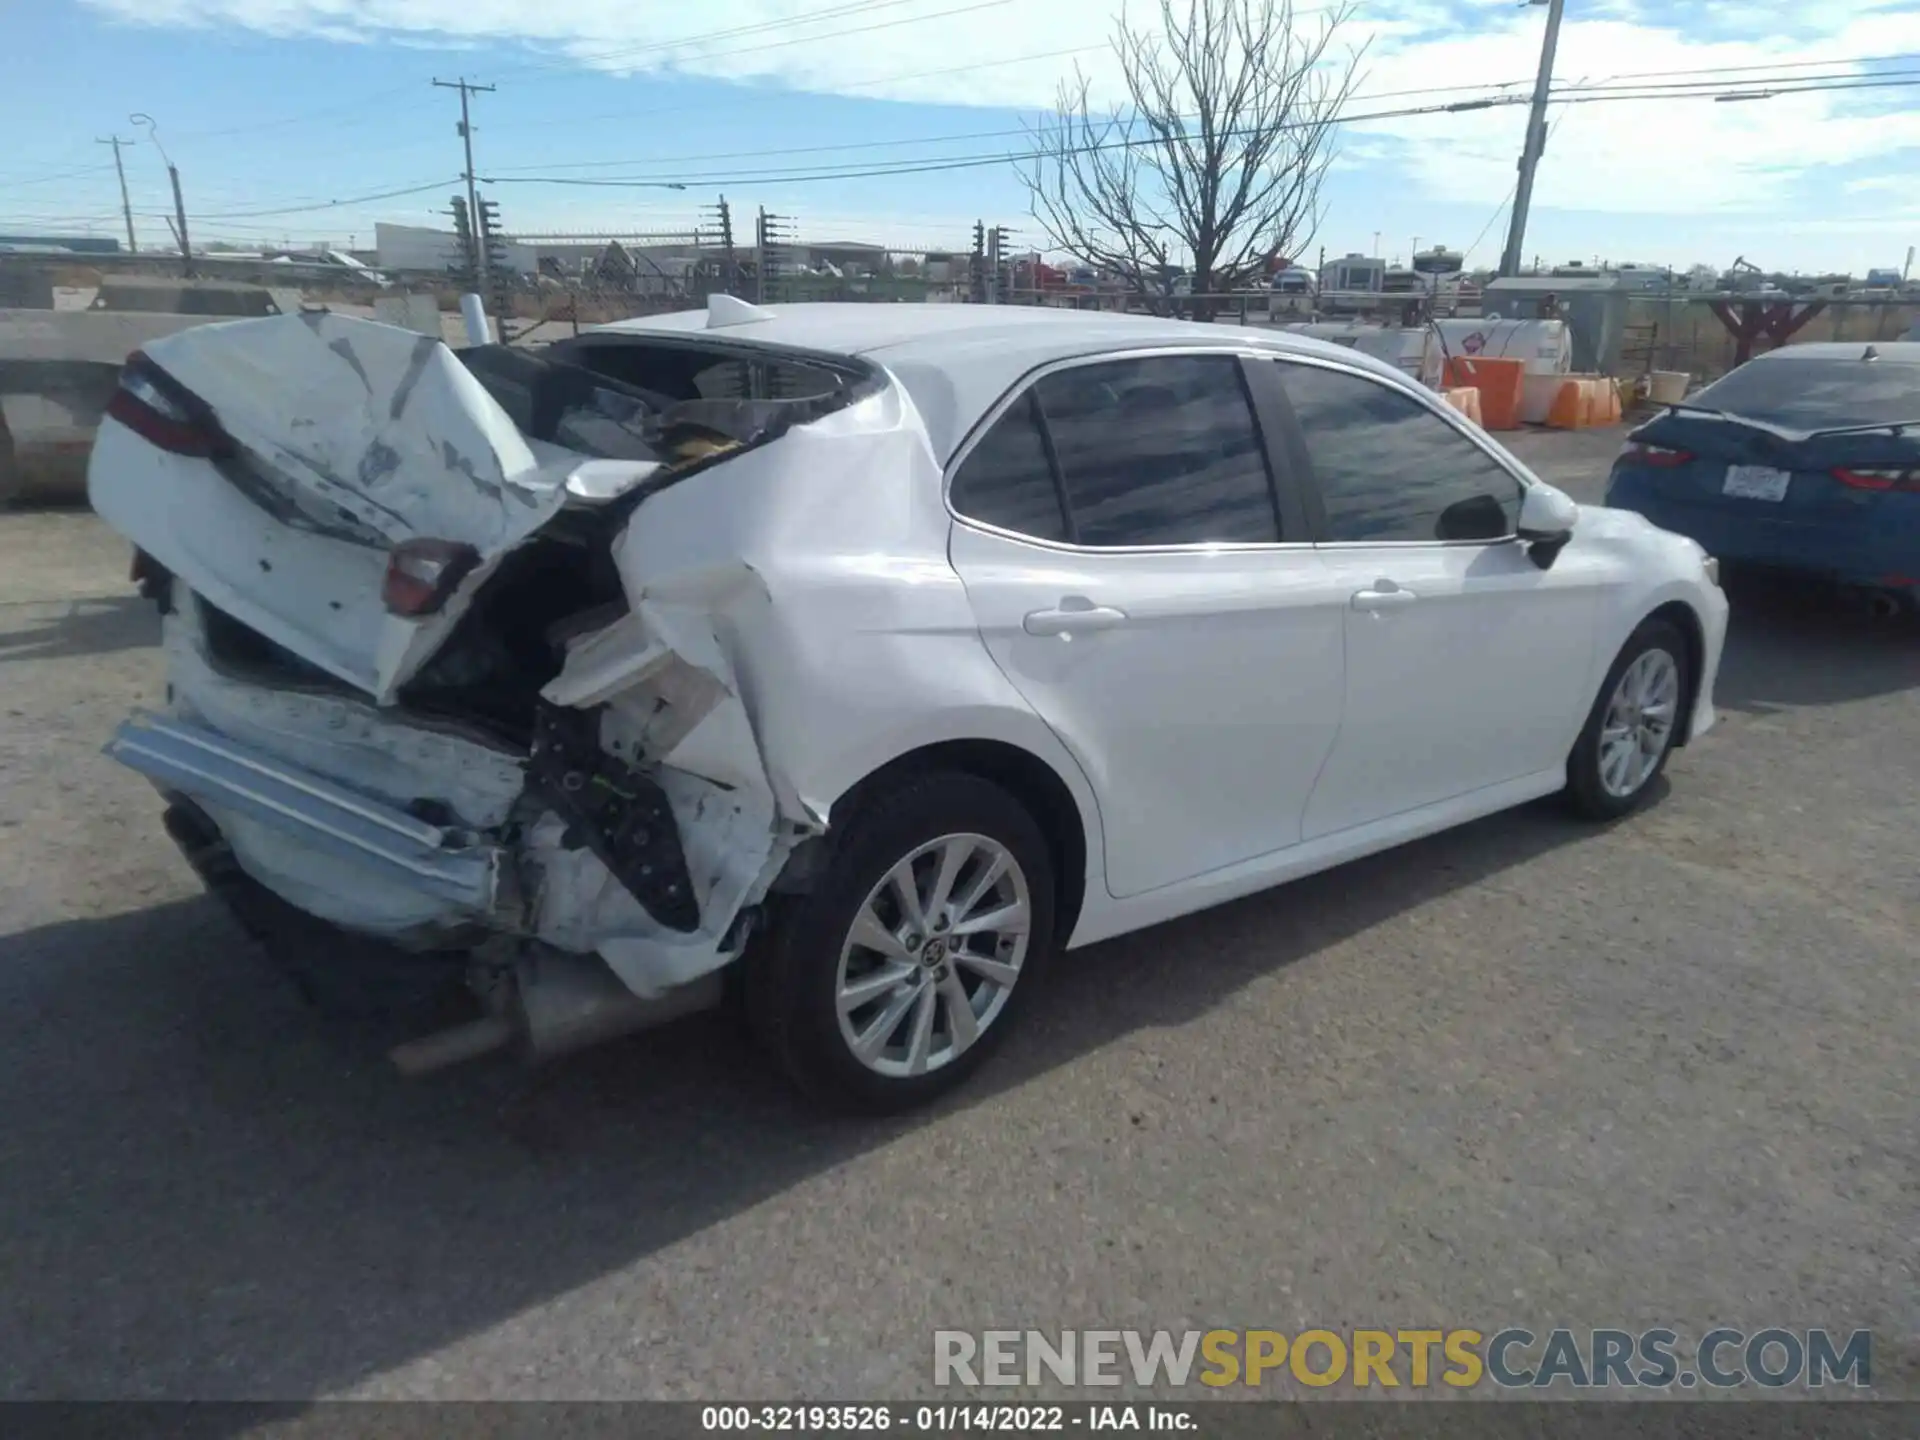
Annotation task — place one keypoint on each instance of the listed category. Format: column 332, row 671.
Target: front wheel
column 899, row 973
column 1631, row 729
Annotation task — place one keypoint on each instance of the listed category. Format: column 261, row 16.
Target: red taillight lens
column 421, row 574
column 164, row 412
column 1655, row 457
column 1865, row 479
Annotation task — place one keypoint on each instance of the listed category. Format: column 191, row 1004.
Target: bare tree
column 1216, row 159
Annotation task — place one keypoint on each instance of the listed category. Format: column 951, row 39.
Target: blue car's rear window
column 1817, row 394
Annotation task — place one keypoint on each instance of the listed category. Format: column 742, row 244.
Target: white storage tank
column 1545, row 348
column 1407, row 349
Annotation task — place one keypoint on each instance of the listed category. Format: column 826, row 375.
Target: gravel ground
column 1527, row 1073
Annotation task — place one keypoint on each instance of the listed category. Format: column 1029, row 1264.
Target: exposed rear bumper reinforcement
column 217, row 771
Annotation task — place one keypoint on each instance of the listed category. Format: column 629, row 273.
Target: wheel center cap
column 934, row 954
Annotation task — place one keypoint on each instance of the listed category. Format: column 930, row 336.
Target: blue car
column 1806, row 458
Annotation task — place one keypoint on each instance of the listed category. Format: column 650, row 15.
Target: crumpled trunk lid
column 349, row 437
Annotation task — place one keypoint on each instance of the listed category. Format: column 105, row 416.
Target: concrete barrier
column 58, row 369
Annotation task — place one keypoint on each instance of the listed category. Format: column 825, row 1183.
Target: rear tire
column 1630, row 732
column 871, row 1007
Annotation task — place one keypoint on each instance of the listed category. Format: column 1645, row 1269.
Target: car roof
column 1901, row 351
column 957, row 360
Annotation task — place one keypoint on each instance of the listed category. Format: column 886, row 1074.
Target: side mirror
column 1547, row 518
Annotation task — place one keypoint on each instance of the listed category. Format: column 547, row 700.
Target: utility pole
column 180, row 213
column 1536, row 141
column 179, row 221
column 126, row 205
column 465, row 130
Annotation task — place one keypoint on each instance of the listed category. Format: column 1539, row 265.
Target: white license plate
column 1756, row 482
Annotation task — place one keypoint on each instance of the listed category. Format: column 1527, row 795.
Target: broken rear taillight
column 421, row 574
column 163, row 412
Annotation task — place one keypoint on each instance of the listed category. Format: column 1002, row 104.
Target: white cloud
column 1668, row 156
column 1682, row 157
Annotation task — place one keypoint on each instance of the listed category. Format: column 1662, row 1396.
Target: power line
column 334, row 204
column 1611, row 89
column 577, row 120
column 1680, row 88
column 832, row 13
column 348, row 108
column 504, row 170
column 965, row 162
column 1820, row 88
column 1557, row 95
column 84, row 170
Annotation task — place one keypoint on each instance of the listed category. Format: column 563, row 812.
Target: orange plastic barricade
column 1497, row 379
column 1466, row 400
column 1568, row 409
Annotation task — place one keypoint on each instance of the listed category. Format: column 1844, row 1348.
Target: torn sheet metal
column 367, row 430
column 349, row 436
column 342, row 737
column 667, row 693
column 397, row 767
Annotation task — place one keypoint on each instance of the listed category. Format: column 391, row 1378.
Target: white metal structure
column 884, row 650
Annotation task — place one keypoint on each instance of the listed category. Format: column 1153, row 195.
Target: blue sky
column 280, row 105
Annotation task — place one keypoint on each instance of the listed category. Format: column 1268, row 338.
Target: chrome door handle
column 1383, row 599
column 1074, row 613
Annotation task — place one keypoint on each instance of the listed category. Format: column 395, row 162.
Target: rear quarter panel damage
column 794, row 627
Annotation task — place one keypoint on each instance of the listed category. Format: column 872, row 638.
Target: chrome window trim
column 1033, row 377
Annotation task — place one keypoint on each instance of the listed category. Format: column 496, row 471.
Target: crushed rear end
column 410, row 692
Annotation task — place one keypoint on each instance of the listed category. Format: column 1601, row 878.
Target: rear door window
column 1390, row 470
column 1162, row 450
column 1007, row 480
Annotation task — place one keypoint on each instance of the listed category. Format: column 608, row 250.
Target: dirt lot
column 1526, row 1073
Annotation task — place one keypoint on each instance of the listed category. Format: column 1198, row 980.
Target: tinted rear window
column 1817, row 394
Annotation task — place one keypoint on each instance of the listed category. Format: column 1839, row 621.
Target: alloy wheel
column 1638, row 725
column 933, row 955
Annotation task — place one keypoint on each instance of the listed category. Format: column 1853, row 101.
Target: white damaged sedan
column 856, row 658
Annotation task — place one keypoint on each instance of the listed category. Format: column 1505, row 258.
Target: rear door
column 1466, row 664
column 1143, row 577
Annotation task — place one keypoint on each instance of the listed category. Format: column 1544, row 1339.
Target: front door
column 1466, row 663
column 1136, row 575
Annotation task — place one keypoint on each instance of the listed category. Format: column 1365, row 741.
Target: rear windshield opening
column 1817, row 394
column 677, row 403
